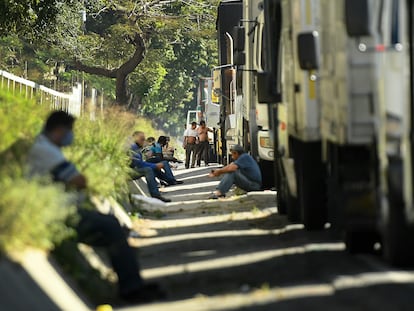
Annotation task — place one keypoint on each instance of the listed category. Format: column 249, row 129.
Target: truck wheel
column 398, row 236
column 314, row 197
column 311, row 175
column 360, row 241
column 282, row 198
column 268, row 177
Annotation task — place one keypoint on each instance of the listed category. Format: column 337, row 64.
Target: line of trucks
column 321, row 93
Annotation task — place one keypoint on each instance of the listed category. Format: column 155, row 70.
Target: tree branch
column 95, row 70
column 136, row 59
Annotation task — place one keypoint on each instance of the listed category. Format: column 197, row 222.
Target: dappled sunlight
column 182, row 171
column 373, row 278
column 213, row 234
column 180, row 222
column 269, row 297
column 185, row 195
column 239, row 260
column 190, row 186
column 188, row 178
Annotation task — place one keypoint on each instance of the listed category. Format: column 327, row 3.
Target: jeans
column 238, row 179
column 152, row 184
column 203, row 152
column 190, row 149
column 102, row 230
column 165, row 174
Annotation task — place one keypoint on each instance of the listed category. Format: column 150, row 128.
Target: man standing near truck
column 190, row 141
column 204, row 145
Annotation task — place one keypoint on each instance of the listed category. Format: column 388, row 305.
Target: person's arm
column 137, row 160
column 232, row 167
column 185, row 142
column 78, row 182
column 66, row 172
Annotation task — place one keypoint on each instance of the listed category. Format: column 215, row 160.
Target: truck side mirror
column 266, row 89
column 239, row 42
column 239, row 38
column 239, row 58
column 358, row 20
column 308, row 50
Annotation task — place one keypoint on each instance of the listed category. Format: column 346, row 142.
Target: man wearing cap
column 243, row 172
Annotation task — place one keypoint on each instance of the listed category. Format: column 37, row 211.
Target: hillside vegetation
column 33, row 212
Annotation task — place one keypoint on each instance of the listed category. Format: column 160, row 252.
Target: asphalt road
column 245, row 256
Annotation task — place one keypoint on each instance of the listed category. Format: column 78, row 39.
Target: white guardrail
column 72, row 103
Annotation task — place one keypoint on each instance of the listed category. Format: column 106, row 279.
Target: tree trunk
column 121, row 90
column 121, row 73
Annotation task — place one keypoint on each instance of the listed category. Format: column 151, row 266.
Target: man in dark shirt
column 161, row 170
column 243, row 172
column 94, row 228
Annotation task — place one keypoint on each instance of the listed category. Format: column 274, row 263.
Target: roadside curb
column 256, row 199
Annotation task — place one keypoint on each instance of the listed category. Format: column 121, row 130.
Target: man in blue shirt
column 244, row 172
column 161, row 170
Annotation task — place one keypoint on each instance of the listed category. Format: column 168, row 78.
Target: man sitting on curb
column 161, row 170
column 243, row 172
column 93, row 228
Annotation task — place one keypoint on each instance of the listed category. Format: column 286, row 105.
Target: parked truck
column 246, row 122
column 341, row 74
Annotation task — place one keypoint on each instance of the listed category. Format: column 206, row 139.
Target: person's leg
column 151, row 182
column 244, row 182
column 167, row 174
column 206, row 149
column 188, row 150
column 226, row 182
column 199, row 153
column 101, row 230
column 195, row 155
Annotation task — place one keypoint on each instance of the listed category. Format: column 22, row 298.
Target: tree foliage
column 151, row 53
column 27, row 16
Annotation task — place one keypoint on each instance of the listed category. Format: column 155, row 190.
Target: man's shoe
column 214, row 196
column 179, row 182
column 144, row 294
column 163, row 183
column 161, row 198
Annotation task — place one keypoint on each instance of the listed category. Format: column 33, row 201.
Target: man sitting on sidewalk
column 93, row 228
column 161, row 170
column 243, row 172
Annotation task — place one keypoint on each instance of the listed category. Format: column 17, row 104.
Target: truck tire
column 398, row 236
column 282, row 197
column 361, row 241
column 311, row 180
column 268, row 174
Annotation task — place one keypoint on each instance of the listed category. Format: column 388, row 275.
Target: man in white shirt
column 190, row 141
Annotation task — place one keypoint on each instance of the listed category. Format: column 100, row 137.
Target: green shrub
column 32, row 212
column 100, row 152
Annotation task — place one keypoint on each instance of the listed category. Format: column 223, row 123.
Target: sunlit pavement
column 247, row 257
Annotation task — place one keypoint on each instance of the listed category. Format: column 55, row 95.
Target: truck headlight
column 265, row 142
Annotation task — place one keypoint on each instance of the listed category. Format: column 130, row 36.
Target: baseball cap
column 237, row 148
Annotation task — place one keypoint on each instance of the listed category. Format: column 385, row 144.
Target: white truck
column 352, row 63
column 295, row 107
